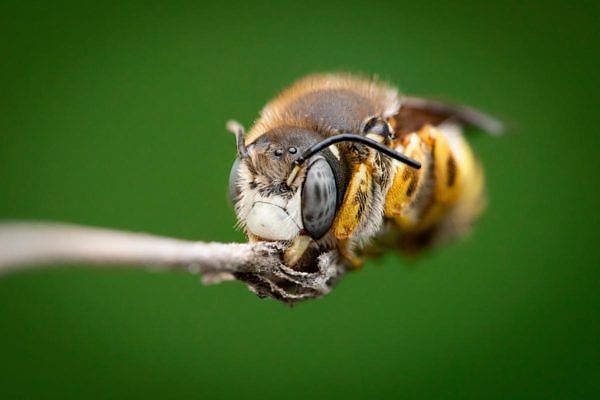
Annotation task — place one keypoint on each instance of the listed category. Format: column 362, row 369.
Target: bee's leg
column 402, row 201
column 419, row 198
column 347, row 253
column 447, row 178
column 350, row 215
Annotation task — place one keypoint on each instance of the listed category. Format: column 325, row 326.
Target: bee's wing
column 416, row 111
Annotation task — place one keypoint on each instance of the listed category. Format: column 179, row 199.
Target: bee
column 346, row 163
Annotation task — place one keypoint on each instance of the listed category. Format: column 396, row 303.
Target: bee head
column 272, row 204
column 289, row 182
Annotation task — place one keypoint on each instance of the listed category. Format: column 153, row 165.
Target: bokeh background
column 113, row 115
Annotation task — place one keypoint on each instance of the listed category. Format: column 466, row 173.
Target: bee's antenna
column 350, row 137
column 238, row 130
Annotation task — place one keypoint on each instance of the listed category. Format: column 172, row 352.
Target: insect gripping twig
column 25, row 245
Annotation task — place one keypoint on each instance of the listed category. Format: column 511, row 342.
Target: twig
column 24, row 245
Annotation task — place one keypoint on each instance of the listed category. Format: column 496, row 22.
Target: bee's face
column 273, row 205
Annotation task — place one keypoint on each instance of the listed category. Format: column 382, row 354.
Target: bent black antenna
column 350, row 137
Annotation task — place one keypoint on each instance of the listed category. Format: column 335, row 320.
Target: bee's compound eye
column 234, row 189
column 319, row 197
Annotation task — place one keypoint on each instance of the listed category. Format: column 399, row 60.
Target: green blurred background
column 113, row 115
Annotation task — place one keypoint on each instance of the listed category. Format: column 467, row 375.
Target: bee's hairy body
column 351, row 197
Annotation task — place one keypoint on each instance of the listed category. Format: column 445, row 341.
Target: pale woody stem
column 26, row 245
